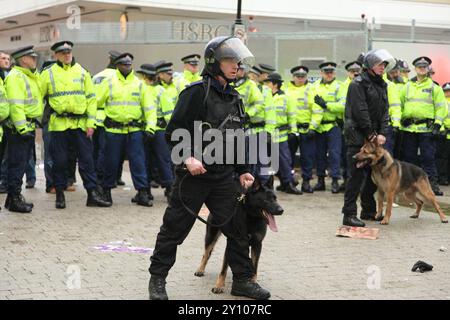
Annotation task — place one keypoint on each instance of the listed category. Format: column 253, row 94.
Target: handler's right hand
column 194, row 166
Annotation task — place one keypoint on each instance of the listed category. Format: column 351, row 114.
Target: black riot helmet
column 225, row 48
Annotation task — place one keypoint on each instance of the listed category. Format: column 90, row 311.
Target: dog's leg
column 380, row 199
column 411, row 196
column 212, row 234
column 256, row 253
column 390, row 200
column 220, row 282
column 428, row 194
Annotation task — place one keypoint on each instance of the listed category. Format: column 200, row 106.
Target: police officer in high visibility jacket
column 99, row 135
column 157, row 146
column 329, row 95
column 130, row 110
column 25, row 103
column 286, row 124
column 423, row 113
column 73, row 114
column 190, row 73
column 443, row 149
column 255, row 116
column 308, row 117
column 164, row 71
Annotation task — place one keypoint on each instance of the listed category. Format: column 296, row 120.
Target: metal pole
column 238, row 13
column 413, row 30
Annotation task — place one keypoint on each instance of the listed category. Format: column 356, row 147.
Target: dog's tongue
column 271, row 222
column 360, row 164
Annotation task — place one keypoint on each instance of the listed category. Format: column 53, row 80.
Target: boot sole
column 238, row 293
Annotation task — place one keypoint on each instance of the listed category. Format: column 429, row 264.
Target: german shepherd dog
column 393, row 177
column 260, row 206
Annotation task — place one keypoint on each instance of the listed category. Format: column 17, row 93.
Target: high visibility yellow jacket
column 309, row 114
column 97, row 80
column 70, row 90
column 185, row 79
column 285, row 116
column 395, row 106
column 423, row 100
column 127, row 100
column 335, row 95
column 270, row 112
column 4, row 106
column 164, row 106
column 253, row 103
column 172, row 91
column 24, row 97
column 447, row 120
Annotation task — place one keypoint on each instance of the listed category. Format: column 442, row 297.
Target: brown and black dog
column 260, row 207
column 393, row 177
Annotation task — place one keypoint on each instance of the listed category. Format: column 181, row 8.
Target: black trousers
column 218, row 192
column 359, row 183
column 442, row 159
column 19, row 151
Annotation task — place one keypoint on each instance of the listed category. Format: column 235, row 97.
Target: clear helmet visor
column 234, row 48
column 375, row 57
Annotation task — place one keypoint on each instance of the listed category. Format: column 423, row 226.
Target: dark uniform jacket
column 366, row 109
column 220, row 103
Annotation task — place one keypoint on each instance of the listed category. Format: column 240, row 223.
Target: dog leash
column 239, row 199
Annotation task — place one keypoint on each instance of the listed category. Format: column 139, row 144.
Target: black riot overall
column 216, row 188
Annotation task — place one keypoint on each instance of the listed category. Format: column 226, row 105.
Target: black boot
column 249, row 289
column 370, row 216
column 8, row 201
column 96, row 200
column 352, row 221
column 291, row 189
column 281, row 187
column 120, row 182
column 335, row 186
column 107, row 195
column 320, row 186
column 17, row 204
column 306, row 187
column 142, row 198
column 60, row 199
column 157, row 288
column 150, row 196
column 435, row 186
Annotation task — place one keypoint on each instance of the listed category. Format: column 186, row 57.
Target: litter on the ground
column 422, row 266
column 358, row 232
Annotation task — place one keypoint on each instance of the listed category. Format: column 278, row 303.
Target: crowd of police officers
column 121, row 113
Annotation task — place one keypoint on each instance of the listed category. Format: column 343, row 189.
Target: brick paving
column 42, row 253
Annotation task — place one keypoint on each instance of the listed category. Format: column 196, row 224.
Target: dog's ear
column 256, row 184
column 270, row 182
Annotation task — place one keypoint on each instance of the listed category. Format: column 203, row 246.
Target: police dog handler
column 214, row 103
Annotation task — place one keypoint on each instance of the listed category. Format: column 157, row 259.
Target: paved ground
column 42, row 254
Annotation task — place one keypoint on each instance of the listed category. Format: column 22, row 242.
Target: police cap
column 62, row 46
column 24, row 51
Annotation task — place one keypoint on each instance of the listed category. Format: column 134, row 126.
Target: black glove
column 320, row 101
column 436, row 131
column 27, row 136
column 148, row 136
column 422, row 266
column 310, row 134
